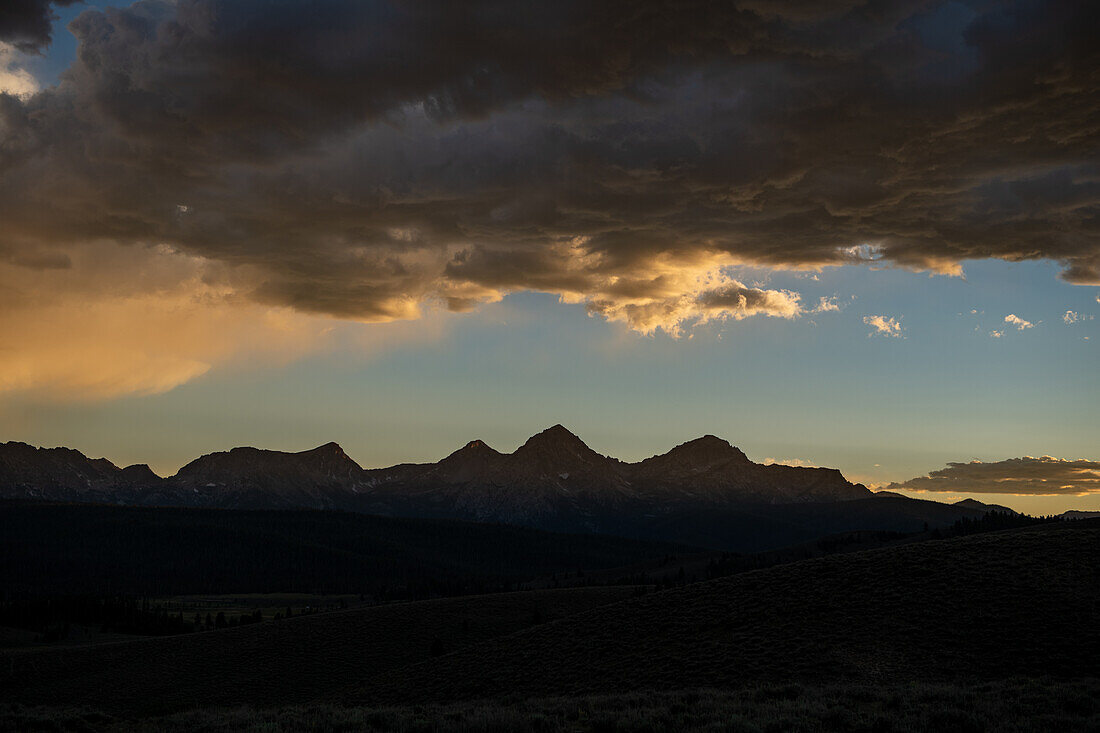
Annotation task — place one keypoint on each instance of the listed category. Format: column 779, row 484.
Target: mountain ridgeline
column 705, row 492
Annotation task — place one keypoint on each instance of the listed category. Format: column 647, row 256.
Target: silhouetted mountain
column 689, row 459
column 1078, row 514
column 254, row 478
column 471, row 460
column 704, row 492
column 975, row 504
column 54, row 473
column 138, row 474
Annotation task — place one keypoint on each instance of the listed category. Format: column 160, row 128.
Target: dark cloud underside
column 1027, row 475
column 27, row 24
column 361, row 159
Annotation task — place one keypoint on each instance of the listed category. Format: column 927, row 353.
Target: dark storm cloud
column 26, row 24
column 362, row 159
column 1027, row 475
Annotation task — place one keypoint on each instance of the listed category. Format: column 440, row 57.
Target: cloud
column 104, row 328
column 826, row 305
column 789, row 462
column 646, row 291
column 1014, row 320
column 1075, row 317
column 374, row 161
column 996, row 334
column 884, row 326
column 26, row 24
column 14, row 80
column 1036, row 476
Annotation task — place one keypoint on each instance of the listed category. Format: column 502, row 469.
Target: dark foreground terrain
column 51, row 549
column 1011, row 706
column 993, row 631
column 291, row 661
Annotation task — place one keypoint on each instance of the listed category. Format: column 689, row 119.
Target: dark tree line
column 993, row 521
column 53, row 617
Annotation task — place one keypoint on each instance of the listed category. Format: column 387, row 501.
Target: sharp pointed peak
column 473, row 450
column 556, row 444
column 477, row 444
column 556, row 431
column 553, row 435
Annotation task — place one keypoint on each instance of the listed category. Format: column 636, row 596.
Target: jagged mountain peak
column 475, row 449
column 556, row 441
column 553, row 473
column 558, row 451
column 557, row 431
column 695, row 455
column 468, row 462
column 18, row 449
column 554, row 436
column 710, row 447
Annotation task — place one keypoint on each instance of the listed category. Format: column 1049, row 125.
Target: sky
column 853, row 234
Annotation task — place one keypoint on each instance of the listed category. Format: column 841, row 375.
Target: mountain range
column 705, row 492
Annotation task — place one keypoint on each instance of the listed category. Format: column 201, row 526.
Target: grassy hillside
column 50, row 549
column 277, row 663
column 1020, row 602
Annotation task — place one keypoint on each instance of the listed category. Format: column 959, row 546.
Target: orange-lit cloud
column 884, row 326
column 799, row 462
column 1043, row 476
column 103, row 320
column 655, row 291
column 96, row 330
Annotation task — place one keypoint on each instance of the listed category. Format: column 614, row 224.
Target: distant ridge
column 704, row 491
column 975, row 504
